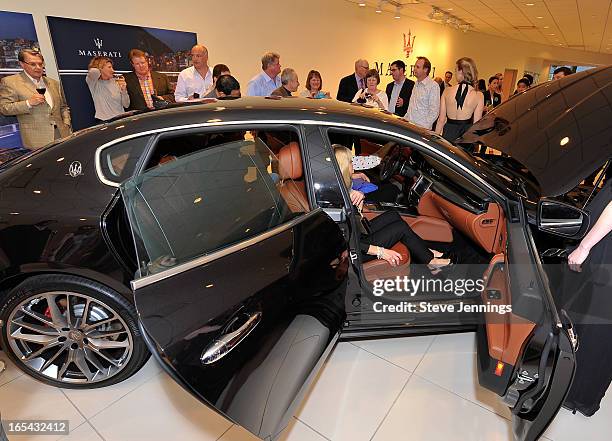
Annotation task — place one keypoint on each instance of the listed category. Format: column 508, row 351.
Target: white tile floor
column 418, row 388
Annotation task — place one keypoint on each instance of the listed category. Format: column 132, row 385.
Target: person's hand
column 122, row 84
column 400, row 102
column 357, row 198
column 360, row 175
column 392, row 257
column 577, row 258
column 36, row 99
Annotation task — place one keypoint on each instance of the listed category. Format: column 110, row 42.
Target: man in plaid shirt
column 142, row 83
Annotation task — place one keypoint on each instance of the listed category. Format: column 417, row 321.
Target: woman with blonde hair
column 462, row 104
column 386, row 229
column 109, row 95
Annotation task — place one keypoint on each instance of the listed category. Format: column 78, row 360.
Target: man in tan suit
column 43, row 117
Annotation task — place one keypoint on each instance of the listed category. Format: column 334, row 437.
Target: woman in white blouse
column 109, row 95
column 372, row 95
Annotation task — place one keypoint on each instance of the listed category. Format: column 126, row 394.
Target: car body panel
column 558, row 128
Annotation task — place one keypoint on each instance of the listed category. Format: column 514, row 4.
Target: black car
column 221, row 238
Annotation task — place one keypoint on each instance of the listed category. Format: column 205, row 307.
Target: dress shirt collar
column 147, row 77
column 33, row 80
column 425, row 81
column 267, row 77
column 401, row 83
column 208, row 72
column 359, row 80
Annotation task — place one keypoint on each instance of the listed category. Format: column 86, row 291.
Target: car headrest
column 166, row 158
column 290, row 161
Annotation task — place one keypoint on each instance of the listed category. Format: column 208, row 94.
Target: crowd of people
column 435, row 104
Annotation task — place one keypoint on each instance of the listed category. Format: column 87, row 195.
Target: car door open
column 526, row 356
column 240, row 289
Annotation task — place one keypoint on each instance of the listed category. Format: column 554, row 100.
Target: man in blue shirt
column 268, row 80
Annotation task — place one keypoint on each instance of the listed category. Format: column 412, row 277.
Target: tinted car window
column 208, row 200
column 118, row 162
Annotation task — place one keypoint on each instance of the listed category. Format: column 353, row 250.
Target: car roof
column 292, row 109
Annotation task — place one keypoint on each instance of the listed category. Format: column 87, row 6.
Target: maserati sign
column 99, row 53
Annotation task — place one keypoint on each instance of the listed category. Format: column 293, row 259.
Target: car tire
column 89, row 339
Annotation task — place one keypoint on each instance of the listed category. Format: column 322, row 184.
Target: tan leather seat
column 380, row 269
column 291, row 184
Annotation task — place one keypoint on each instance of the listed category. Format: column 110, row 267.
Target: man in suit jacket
column 350, row 84
column 43, row 117
column 289, row 83
column 142, row 83
column 400, row 89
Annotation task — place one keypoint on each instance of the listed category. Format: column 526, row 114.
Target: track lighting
column 447, row 19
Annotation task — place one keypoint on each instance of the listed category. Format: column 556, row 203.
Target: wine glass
column 41, row 90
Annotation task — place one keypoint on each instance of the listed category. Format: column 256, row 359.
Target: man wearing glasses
column 399, row 91
column 38, row 102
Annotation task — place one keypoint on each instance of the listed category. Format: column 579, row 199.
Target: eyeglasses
column 32, row 64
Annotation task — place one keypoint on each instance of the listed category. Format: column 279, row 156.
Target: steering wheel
column 391, row 163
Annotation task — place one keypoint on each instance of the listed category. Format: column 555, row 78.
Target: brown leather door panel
column 506, row 334
column 430, row 228
column 481, row 228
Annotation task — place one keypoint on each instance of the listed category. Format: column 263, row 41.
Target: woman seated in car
column 388, row 228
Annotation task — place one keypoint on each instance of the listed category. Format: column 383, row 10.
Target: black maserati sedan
column 221, row 238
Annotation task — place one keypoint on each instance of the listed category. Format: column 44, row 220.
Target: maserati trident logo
column 75, row 169
column 98, row 42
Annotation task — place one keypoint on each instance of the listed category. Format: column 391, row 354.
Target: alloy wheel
column 69, row 337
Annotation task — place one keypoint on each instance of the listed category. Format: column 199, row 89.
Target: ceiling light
column 398, row 10
column 379, row 7
column 539, row 16
column 449, row 9
column 552, row 35
column 564, row 141
column 546, row 27
column 362, row 4
column 529, row 4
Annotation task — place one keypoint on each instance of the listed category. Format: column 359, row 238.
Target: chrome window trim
column 284, row 121
column 202, row 260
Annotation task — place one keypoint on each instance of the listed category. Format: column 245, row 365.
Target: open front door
column 525, row 356
column 240, row 297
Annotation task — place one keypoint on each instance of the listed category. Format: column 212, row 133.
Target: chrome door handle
column 224, row 344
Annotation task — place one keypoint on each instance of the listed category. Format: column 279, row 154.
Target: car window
column 171, row 145
column 191, row 206
column 118, row 162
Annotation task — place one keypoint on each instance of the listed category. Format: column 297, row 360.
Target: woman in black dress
column 461, row 105
column 589, row 288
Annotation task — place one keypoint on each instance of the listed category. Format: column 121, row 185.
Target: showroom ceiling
column 577, row 24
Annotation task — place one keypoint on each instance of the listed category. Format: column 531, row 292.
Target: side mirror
column 562, row 219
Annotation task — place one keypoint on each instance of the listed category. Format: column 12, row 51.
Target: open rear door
column 526, row 356
column 240, row 298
